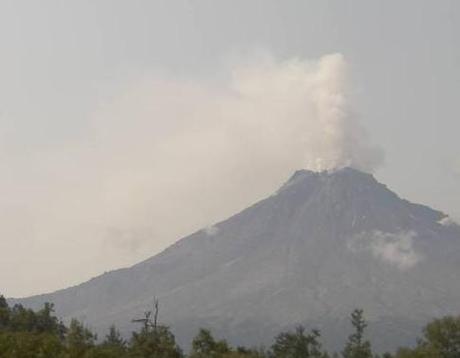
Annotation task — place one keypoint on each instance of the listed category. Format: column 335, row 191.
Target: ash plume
column 311, row 109
column 172, row 155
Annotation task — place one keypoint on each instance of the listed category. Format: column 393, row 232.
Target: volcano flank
column 324, row 244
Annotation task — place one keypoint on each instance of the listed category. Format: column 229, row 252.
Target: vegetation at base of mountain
column 25, row 333
column 356, row 346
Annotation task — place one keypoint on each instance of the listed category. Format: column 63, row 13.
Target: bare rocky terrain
column 323, row 244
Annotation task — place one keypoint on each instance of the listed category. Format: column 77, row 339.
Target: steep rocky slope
column 322, row 245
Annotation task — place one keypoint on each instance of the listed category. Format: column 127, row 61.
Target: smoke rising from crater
column 167, row 156
column 294, row 111
column 311, row 109
column 188, row 153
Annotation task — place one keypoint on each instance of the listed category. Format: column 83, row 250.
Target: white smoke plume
column 396, row 249
column 309, row 107
column 167, row 156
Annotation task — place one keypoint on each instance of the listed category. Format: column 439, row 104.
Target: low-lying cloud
column 396, row 249
column 447, row 221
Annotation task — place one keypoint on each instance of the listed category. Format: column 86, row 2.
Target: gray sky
column 93, row 176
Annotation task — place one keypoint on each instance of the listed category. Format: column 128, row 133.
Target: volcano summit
column 323, row 244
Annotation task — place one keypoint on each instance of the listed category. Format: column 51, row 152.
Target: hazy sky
column 125, row 125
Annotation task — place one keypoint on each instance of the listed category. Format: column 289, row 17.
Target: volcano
column 324, row 244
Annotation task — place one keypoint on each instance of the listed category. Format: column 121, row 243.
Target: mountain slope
column 321, row 246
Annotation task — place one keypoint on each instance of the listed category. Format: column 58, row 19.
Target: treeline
column 25, row 333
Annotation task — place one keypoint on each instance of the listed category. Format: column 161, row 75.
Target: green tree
column 114, row 338
column 30, row 345
column 156, row 342
column 357, row 346
column 441, row 339
column 205, row 346
column 79, row 339
column 101, row 351
column 22, row 319
column 4, row 314
column 247, row 353
column 113, row 346
column 297, row 344
column 45, row 321
column 153, row 340
column 418, row 352
column 443, row 336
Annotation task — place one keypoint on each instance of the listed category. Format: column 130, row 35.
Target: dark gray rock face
column 324, row 244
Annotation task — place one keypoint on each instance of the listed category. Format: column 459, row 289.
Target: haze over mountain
column 125, row 126
column 323, row 244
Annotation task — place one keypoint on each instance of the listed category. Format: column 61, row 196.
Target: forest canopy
column 25, row 333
